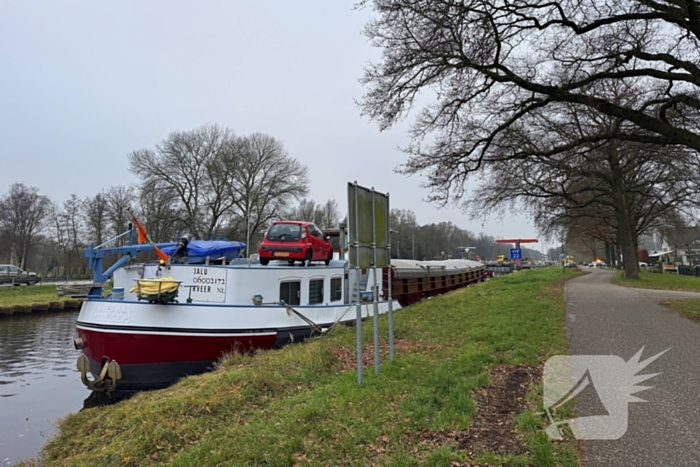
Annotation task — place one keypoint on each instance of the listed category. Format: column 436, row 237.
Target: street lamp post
column 247, row 228
column 413, row 245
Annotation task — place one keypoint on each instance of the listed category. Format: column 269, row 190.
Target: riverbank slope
column 463, row 389
column 27, row 299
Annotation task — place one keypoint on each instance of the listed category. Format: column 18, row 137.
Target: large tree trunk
column 614, row 257
column 620, row 262
column 626, row 242
column 625, row 233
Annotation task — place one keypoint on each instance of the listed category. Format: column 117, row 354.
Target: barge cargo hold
column 412, row 281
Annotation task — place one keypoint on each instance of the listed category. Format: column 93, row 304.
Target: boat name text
column 112, row 313
column 208, row 285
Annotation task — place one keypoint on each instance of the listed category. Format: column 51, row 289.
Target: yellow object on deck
column 155, row 286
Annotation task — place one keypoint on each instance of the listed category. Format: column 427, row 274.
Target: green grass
column 28, row 295
column 688, row 307
column 38, row 296
column 302, row 406
column 649, row 280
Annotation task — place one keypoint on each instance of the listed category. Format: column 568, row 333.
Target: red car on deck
column 295, row 241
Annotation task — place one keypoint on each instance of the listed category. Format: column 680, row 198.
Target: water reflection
column 39, row 382
column 98, row 399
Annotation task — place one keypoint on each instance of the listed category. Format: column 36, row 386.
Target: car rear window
column 284, row 232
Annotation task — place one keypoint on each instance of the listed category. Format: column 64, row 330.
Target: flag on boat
column 142, row 230
column 143, row 238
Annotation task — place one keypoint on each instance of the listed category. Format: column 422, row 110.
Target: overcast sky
column 84, row 83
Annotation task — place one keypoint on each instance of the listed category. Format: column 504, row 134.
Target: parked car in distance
column 295, row 241
column 585, row 263
column 11, row 274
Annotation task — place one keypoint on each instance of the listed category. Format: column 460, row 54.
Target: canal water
column 39, row 382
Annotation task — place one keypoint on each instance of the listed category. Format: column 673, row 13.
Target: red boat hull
column 145, row 348
column 157, row 360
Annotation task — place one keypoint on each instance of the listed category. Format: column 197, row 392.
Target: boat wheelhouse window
column 284, row 232
column 336, row 288
column 290, row 292
column 315, row 291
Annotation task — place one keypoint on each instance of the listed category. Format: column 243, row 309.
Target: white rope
column 341, row 317
column 318, row 328
column 307, row 320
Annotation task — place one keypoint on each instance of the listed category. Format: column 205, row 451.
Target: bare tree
column 74, row 224
column 327, row 215
column 119, row 200
column 64, row 227
column 324, row 215
column 493, row 63
column 6, row 250
column 22, row 212
column 189, row 165
column 67, row 232
column 305, row 210
column 58, row 233
column 621, row 184
column 158, row 211
column 263, row 180
column 95, row 217
column 505, row 70
column 587, row 235
column 405, row 223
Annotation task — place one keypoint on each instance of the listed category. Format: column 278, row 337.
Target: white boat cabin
column 249, row 283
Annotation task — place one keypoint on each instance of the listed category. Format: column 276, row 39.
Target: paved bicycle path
column 605, row 319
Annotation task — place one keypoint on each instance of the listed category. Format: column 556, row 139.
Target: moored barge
column 217, row 302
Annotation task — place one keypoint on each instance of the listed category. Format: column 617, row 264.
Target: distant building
column 682, row 254
column 651, row 242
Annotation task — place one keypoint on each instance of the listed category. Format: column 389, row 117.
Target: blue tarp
column 199, row 249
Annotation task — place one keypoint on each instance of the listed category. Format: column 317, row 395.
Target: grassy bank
column 689, row 307
column 302, row 406
column 649, row 280
column 25, row 299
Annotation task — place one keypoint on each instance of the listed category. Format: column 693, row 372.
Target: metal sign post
column 358, row 278
column 375, row 298
column 388, row 273
column 368, row 219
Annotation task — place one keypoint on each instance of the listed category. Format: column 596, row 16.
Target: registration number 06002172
column 281, row 253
